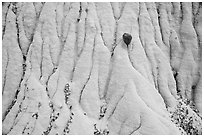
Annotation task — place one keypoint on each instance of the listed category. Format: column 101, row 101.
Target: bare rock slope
column 67, row 70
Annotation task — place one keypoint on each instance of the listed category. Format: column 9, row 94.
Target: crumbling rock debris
column 186, row 117
column 67, row 93
column 98, row 132
column 105, row 68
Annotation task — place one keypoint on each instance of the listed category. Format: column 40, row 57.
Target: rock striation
column 101, row 68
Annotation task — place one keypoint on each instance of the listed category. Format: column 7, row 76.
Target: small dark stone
column 193, row 87
column 70, row 107
column 24, row 57
column 127, row 38
column 39, row 104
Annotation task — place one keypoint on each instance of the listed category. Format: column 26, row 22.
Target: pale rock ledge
column 67, row 70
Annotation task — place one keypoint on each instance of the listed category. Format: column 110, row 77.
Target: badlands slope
column 67, row 70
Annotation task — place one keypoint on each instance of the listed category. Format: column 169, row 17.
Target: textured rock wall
column 67, row 70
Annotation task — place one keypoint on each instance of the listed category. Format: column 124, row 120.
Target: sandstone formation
column 68, row 68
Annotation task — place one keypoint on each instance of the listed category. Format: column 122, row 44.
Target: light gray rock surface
column 67, row 70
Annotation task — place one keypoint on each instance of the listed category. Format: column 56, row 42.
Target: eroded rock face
column 101, row 68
